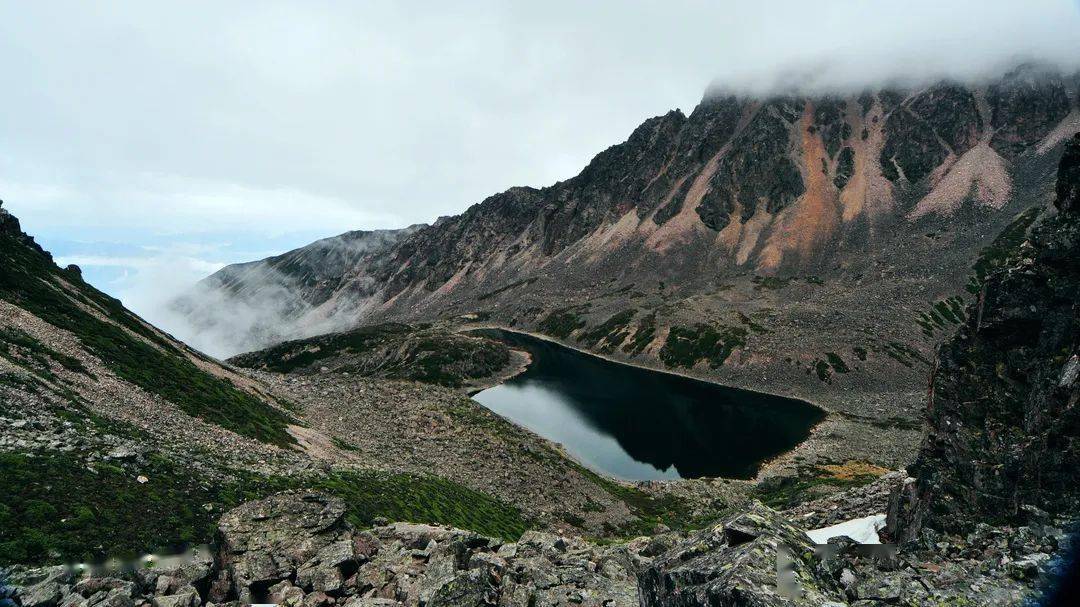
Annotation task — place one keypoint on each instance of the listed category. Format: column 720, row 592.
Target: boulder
column 753, row 558
column 187, row 597
column 471, row 588
column 267, row 541
column 285, row 594
column 45, row 587
column 370, row 601
column 329, row 568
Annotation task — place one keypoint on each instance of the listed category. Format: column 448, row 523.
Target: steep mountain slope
column 813, row 246
column 314, row 289
column 765, row 185
column 54, row 319
column 1004, row 411
column 116, row 439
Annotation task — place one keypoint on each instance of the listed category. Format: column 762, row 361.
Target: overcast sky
column 152, row 142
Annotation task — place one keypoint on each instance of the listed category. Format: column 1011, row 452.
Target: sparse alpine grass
column 61, row 508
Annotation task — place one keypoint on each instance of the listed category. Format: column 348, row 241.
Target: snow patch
column 863, row 530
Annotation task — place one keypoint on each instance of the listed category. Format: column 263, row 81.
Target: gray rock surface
column 296, row 550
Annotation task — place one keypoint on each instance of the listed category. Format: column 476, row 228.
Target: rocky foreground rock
column 1004, row 411
column 297, row 549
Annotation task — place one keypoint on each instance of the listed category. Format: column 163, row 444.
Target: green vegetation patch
column 752, row 324
column 782, row 493
column 421, row 499
column 26, row 351
column 832, row 363
column 609, row 334
column 513, row 285
column 770, row 282
column 942, row 314
column 30, row 280
column 686, row 346
column 561, row 323
column 1005, row 247
column 650, row 510
column 643, row 335
column 60, row 509
column 836, row 362
column 391, row 350
column 904, row 354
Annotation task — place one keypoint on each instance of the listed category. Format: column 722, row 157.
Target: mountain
column 1004, row 435
column 1000, row 446
column 116, row 439
column 814, row 246
column 311, row 290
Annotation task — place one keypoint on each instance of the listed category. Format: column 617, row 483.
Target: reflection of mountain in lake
column 639, row 424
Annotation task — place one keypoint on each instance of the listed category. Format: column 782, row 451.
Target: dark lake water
column 638, row 424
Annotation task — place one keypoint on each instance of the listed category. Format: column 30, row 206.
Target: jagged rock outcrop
column 298, row 537
column 1004, row 408
column 295, row 550
column 754, row 558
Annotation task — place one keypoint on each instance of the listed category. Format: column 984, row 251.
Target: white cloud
column 276, row 117
column 199, row 266
column 379, row 112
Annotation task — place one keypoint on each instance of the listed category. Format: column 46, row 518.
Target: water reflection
column 639, row 424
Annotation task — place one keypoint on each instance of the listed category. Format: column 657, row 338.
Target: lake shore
column 678, row 425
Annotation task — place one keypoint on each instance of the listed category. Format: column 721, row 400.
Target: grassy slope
column 29, row 279
column 390, row 350
column 60, row 509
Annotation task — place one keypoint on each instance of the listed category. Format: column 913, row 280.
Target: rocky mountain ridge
column 297, row 549
column 314, row 286
column 777, row 185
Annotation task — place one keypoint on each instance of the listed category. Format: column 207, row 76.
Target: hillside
column 430, row 354
column 1003, row 398
column 814, row 246
column 318, row 287
column 116, row 439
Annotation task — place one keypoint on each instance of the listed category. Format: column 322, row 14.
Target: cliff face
column 1004, row 410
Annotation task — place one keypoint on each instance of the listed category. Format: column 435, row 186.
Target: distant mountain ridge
column 776, row 186
column 244, row 304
